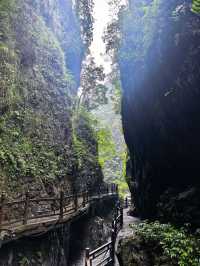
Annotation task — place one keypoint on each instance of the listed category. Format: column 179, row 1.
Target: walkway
column 126, row 231
column 106, row 254
column 38, row 216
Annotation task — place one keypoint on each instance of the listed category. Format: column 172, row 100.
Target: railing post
column 25, row 218
column 112, row 252
column 121, row 217
column 84, row 198
column 61, row 203
column 75, row 201
column 87, row 257
column 2, row 208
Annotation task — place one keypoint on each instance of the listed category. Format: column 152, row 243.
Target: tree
column 196, row 6
column 112, row 33
column 112, row 37
column 84, row 9
column 92, row 91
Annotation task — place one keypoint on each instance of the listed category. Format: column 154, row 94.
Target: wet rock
column 46, row 250
column 133, row 251
column 180, row 207
column 160, row 73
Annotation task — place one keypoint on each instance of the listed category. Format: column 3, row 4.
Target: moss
column 35, row 100
column 86, row 149
column 143, row 17
column 39, row 148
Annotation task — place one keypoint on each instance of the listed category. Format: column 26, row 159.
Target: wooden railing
column 22, row 212
column 105, row 255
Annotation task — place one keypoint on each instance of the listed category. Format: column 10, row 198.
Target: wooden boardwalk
column 32, row 217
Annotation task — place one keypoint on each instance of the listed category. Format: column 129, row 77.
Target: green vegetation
column 35, row 100
column 84, row 137
column 145, row 18
column 121, row 179
column 123, row 187
column 108, row 156
column 23, row 156
column 150, row 23
column 196, row 6
column 178, row 245
column 106, row 145
column 85, row 149
column 93, row 93
column 117, row 96
column 41, row 144
column 84, row 9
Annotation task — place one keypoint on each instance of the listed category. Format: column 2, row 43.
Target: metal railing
column 105, row 255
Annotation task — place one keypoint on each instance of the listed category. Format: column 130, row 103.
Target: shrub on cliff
column 196, row 6
column 178, row 245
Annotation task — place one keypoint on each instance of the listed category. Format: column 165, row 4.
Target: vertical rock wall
column 159, row 62
column 48, row 250
column 40, row 62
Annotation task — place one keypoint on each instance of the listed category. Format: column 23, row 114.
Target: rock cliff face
column 40, row 60
column 49, row 249
column 159, row 62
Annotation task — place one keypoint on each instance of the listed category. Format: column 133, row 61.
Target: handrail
column 100, row 248
column 25, row 209
column 108, row 260
column 117, row 224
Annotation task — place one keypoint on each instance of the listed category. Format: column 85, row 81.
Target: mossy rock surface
column 40, row 45
column 133, row 251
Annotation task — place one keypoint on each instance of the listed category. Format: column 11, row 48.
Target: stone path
column 126, row 230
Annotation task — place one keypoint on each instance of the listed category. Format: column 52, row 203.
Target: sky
column 102, row 16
